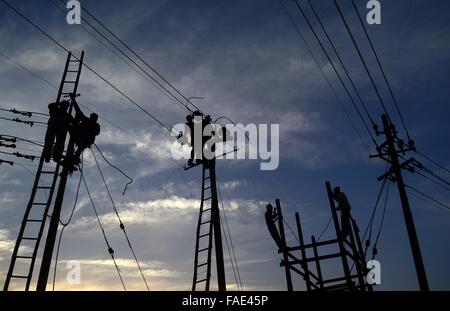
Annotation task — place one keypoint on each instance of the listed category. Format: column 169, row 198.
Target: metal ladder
column 203, row 242
column 24, row 255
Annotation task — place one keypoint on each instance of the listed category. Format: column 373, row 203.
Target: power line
column 87, row 66
column 20, row 155
column 18, row 139
column 153, row 81
column 325, row 76
column 432, row 180
column 122, row 226
column 140, row 58
column 341, row 63
column 84, row 106
column 374, row 210
column 347, row 27
column 110, row 250
column 26, row 69
column 428, row 197
column 231, row 240
column 374, row 249
column 335, row 70
column 30, row 123
column 24, row 113
column 382, row 69
column 433, row 161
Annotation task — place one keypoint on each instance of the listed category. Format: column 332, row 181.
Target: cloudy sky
column 249, row 64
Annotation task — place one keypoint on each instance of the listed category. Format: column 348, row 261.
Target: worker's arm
column 80, row 113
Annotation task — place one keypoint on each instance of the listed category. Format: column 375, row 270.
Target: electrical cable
column 229, row 234
column 65, row 224
column 347, row 27
column 341, row 104
column 116, row 168
column 110, row 250
column 87, row 66
column 122, row 226
column 382, row 70
column 336, row 71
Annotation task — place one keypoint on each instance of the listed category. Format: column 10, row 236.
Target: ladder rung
column 34, row 220
column 207, row 188
column 205, row 222
column 31, row 239
column 19, row 276
column 203, row 249
column 43, row 187
column 201, row 265
column 74, row 61
column 203, row 235
column 72, row 71
column 207, row 210
column 207, row 177
column 71, row 82
column 207, row 199
column 40, row 204
column 25, row 257
column 47, row 172
column 202, row 280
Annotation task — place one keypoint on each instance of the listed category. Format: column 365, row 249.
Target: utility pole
column 215, row 218
column 208, row 225
column 389, row 152
column 56, row 214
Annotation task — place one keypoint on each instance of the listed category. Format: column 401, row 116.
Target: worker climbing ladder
column 33, row 224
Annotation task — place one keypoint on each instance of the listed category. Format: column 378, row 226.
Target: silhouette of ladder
column 24, row 255
column 345, row 248
column 203, row 241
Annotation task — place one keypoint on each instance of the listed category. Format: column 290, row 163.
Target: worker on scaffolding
column 84, row 131
column 344, row 207
column 57, row 127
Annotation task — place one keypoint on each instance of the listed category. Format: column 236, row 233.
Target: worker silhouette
column 57, row 126
column 344, row 207
column 84, row 131
column 190, row 129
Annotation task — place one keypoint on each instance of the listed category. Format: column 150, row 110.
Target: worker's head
column 64, row 105
column 94, row 117
column 189, row 118
column 337, row 190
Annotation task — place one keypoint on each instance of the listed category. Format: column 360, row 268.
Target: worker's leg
column 58, row 148
column 76, row 157
column 49, row 140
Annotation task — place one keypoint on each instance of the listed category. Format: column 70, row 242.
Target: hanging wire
column 122, row 226
column 110, row 250
column 325, row 229
column 231, row 240
column 65, row 224
column 115, row 167
column 374, row 249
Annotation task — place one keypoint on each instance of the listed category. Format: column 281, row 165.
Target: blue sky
column 248, row 63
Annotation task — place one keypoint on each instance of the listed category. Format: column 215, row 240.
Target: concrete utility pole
column 389, row 148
